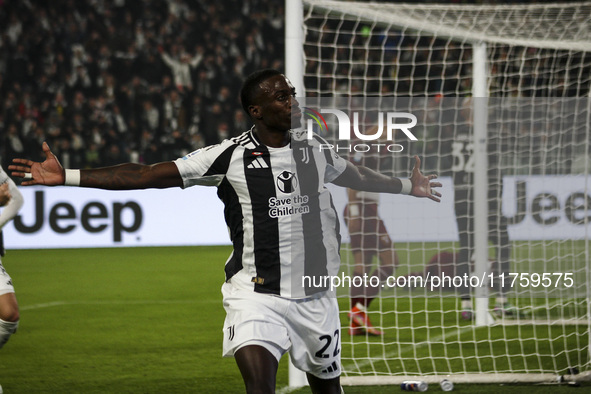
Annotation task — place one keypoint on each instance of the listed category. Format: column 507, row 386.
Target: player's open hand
column 422, row 185
column 49, row 173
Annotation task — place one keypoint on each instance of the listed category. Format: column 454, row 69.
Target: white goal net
column 501, row 99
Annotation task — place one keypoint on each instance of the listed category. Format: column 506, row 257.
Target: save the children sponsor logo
column 296, row 205
column 287, row 182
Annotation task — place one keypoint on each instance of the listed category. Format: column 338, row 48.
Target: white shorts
column 5, row 281
column 309, row 328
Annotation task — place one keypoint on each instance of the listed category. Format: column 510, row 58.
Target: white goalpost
column 502, row 100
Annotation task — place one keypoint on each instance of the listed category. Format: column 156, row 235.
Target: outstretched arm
column 362, row 178
column 120, row 177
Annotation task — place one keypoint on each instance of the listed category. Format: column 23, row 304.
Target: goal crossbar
column 473, row 23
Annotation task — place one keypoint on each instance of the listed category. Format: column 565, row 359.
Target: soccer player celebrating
column 11, row 200
column 282, row 225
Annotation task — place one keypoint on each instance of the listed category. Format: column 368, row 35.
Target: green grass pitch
column 149, row 320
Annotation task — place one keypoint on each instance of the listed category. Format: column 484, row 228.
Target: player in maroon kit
column 369, row 239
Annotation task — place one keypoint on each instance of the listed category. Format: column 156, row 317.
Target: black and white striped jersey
column 280, row 216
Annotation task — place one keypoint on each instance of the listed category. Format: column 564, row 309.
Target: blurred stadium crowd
column 109, row 81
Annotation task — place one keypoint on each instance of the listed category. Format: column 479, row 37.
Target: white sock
column 7, row 328
column 501, row 300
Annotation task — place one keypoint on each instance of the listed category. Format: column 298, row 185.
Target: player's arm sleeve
column 335, row 169
column 10, row 210
column 207, row 166
column 335, row 164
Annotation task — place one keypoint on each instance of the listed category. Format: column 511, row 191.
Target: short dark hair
column 250, row 87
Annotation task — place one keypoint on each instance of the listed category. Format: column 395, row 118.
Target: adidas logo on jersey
column 259, row 162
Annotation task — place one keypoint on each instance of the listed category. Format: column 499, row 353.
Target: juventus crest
column 305, row 155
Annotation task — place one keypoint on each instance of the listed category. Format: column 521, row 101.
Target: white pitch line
column 41, row 306
column 287, row 390
column 113, row 302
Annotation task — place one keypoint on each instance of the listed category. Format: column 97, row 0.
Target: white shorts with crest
column 308, row 328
